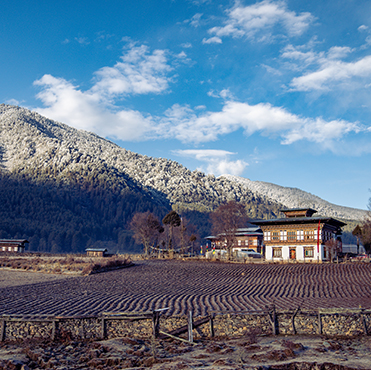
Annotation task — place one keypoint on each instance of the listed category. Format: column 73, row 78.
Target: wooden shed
column 96, row 252
column 13, row 245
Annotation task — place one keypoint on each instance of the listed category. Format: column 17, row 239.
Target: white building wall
column 299, row 252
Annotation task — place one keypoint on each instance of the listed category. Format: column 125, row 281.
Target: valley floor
column 188, row 285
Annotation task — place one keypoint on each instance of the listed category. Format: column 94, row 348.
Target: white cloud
column 195, row 20
column 217, row 161
column 142, row 72
column 212, row 40
column 13, row 102
column 328, row 69
column 362, row 28
column 259, row 21
column 82, row 40
column 86, row 110
column 184, row 124
column 331, row 72
column 138, row 72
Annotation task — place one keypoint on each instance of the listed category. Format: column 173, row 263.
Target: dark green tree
column 171, row 220
column 357, row 232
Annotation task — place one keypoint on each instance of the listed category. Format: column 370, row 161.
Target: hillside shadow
column 69, row 218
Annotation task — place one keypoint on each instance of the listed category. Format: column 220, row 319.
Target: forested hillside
column 65, row 189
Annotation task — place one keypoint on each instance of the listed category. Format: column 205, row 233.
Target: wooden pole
column 364, row 323
column 2, row 330
column 54, row 330
column 274, row 321
column 293, row 320
column 190, row 326
column 103, row 328
column 319, row 323
column 156, row 323
column 211, row 322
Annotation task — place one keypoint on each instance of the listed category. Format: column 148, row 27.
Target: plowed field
column 200, row 286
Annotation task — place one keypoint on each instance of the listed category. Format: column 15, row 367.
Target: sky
column 274, row 91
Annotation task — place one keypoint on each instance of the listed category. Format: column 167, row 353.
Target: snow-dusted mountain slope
column 296, row 198
column 42, row 149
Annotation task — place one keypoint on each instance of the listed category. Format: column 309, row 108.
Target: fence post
column 54, row 329
column 2, row 330
column 190, row 326
column 319, row 323
column 293, row 320
column 103, row 328
column 156, row 323
column 364, row 323
column 211, row 322
column 274, row 321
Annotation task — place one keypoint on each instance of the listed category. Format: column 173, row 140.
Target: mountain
column 296, row 198
column 65, row 189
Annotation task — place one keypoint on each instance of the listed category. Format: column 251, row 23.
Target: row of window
column 277, row 252
column 298, row 235
column 11, row 249
column 247, row 242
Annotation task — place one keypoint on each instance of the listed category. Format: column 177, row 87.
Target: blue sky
column 276, row 91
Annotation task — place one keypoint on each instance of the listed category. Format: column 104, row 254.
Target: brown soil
column 263, row 353
column 182, row 285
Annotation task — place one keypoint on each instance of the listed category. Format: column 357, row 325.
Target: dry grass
column 65, row 265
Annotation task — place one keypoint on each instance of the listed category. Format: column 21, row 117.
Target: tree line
column 177, row 234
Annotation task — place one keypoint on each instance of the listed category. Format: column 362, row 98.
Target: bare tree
column 366, row 230
column 226, row 219
column 332, row 247
column 183, row 233
column 366, row 235
column 146, row 228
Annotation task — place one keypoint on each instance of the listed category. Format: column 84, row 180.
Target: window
column 308, row 252
column 277, row 252
column 309, row 235
column 275, row 235
column 239, row 241
column 283, row 235
column 291, row 235
column 267, row 236
column 247, row 242
column 300, row 235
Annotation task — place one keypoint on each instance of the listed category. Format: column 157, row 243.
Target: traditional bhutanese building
column 301, row 236
column 12, row 245
column 96, row 252
column 249, row 237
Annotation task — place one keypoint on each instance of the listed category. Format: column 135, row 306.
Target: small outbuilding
column 13, row 245
column 96, row 252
